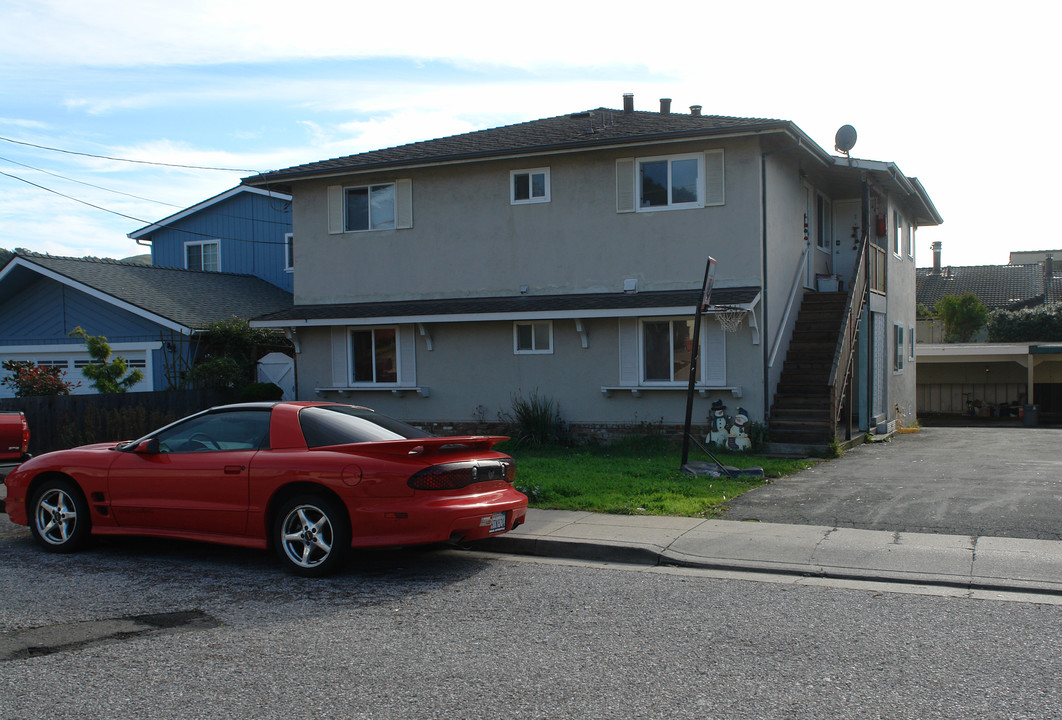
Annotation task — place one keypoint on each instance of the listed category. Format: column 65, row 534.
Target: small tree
column 107, row 375
column 963, row 316
column 31, row 380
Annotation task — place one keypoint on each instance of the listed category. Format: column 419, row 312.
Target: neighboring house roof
column 183, row 300
column 998, row 287
column 602, row 127
column 510, row 308
column 147, row 230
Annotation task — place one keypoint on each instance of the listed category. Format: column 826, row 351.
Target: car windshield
column 341, row 424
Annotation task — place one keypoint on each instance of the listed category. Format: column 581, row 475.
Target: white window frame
column 531, row 198
column 355, row 382
column 910, row 241
column 289, row 252
column 201, row 244
column 672, row 382
column 897, row 242
column 823, row 223
column 534, row 349
column 898, row 347
column 911, row 343
column 372, row 227
column 670, row 160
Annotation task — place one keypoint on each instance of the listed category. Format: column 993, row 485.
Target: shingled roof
column 507, row 307
column 187, row 298
column 998, row 287
column 601, row 127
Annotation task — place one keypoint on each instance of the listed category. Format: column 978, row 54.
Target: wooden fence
column 68, row 420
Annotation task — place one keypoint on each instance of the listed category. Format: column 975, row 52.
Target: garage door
column 72, row 363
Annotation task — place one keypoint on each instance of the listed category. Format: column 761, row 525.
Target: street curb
column 641, row 555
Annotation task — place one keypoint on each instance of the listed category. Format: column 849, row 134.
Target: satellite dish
column 845, row 139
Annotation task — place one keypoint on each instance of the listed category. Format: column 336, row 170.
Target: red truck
column 14, row 437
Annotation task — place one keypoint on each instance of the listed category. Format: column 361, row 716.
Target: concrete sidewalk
column 988, row 563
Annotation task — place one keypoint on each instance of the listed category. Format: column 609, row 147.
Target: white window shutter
column 713, row 178
column 625, row 185
column 335, row 209
column 628, row 352
column 404, row 204
column 407, row 358
column 714, row 349
column 340, row 352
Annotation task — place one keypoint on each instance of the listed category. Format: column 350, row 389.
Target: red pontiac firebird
column 310, row 479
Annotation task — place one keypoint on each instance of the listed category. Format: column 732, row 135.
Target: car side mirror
column 148, row 447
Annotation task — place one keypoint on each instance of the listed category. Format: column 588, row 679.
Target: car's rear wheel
column 312, row 535
column 59, row 516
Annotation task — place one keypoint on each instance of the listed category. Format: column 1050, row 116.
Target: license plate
column 497, row 522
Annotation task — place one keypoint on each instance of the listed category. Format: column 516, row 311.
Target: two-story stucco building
column 435, row 280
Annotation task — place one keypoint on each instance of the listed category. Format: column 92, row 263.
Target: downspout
column 763, row 273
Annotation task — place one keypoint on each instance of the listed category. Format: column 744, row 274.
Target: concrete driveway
column 1002, row 482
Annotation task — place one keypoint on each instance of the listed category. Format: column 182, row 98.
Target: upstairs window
column 530, row 338
column 371, row 207
column 897, row 239
column 205, row 255
column 671, row 182
column 529, row 186
column 823, row 223
column 289, row 251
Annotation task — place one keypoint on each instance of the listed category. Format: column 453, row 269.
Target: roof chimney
column 695, row 110
column 665, row 106
column 936, row 257
column 628, row 103
column 1049, row 268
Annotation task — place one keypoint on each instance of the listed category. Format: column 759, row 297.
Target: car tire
column 59, row 516
column 311, row 534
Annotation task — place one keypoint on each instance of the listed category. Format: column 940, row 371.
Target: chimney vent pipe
column 628, row 103
column 936, row 257
column 665, row 106
column 695, row 110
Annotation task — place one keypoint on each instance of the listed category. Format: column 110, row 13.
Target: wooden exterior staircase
column 801, row 413
column 813, row 399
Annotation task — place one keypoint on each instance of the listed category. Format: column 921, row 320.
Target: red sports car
column 311, row 479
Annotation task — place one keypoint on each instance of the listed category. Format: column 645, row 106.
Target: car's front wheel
column 59, row 516
column 312, row 535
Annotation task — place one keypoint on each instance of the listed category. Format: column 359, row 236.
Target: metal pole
column 695, row 352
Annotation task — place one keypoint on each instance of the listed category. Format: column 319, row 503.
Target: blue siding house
column 244, row 230
column 149, row 315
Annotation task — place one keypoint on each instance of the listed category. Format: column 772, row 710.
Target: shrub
column 107, row 375
column 1039, row 324
column 534, row 420
column 261, row 391
column 30, row 380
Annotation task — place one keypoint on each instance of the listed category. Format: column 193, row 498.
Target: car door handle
column 234, row 469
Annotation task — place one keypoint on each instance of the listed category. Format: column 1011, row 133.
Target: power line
column 140, row 162
column 82, row 182
column 148, row 222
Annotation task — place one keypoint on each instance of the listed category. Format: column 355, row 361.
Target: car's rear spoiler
column 420, row 446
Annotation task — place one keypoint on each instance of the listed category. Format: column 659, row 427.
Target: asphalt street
column 997, row 482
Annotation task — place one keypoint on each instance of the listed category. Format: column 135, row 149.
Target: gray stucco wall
column 472, row 373
column 467, row 239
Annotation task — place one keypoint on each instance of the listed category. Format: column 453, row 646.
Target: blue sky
column 954, row 97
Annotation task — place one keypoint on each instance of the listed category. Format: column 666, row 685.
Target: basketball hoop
column 729, row 318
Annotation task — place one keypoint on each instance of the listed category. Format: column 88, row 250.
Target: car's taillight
column 25, row 435
column 455, row 475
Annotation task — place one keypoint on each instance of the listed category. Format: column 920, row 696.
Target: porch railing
column 840, row 382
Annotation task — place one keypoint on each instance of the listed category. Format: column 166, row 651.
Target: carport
column 1000, row 375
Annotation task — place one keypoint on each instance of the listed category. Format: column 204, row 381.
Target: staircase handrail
column 794, row 286
column 846, row 341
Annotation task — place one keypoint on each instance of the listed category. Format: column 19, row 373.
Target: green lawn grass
column 634, row 477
